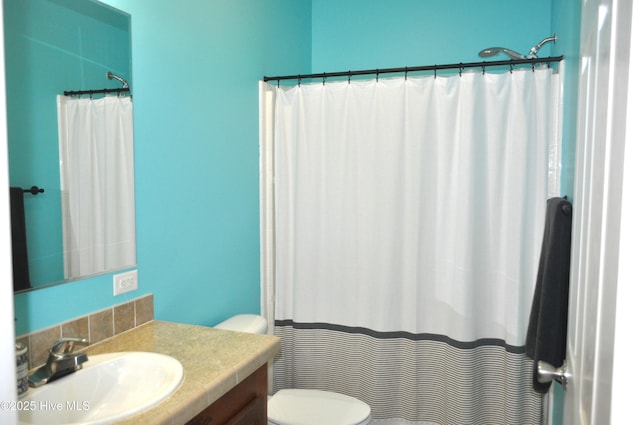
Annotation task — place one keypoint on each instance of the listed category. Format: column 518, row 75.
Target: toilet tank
column 251, row 323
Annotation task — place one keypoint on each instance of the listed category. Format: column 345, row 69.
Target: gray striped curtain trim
column 421, row 381
column 463, row 345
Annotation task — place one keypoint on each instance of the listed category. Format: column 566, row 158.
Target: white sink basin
column 108, row 388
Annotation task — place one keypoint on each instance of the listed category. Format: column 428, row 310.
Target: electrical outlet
column 125, row 282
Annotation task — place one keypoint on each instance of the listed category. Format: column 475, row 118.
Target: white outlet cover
column 125, row 282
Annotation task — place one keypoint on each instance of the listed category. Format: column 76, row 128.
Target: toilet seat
column 315, row 407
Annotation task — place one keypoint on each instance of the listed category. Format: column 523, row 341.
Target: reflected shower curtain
column 402, row 223
column 97, row 184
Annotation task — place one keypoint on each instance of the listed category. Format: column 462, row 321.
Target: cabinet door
column 251, row 414
column 245, row 404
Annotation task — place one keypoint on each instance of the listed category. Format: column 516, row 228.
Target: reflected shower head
column 533, row 53
column 111, row 76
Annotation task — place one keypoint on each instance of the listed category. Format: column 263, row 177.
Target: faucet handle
column 66, row 345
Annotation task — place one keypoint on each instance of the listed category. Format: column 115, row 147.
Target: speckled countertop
column 214, row 361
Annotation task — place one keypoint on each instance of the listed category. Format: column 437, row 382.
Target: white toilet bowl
column 303, row 407
column 315, row 407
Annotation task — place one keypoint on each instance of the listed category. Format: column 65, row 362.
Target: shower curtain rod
column 459, row 66
column 100, row 91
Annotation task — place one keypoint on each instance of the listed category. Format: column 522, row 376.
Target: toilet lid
column 251, row 323
column 315, row 407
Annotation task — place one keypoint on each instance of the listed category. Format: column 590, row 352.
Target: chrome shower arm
column 533, row 53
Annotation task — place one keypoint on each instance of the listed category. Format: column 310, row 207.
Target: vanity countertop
column 214, row 362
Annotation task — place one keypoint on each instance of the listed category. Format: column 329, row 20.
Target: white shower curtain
column 404, row 239
column 97, row 184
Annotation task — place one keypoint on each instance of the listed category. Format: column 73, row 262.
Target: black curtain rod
column 92, row 92
column 459, row 66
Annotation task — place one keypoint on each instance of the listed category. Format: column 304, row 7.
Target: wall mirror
column 53, row 46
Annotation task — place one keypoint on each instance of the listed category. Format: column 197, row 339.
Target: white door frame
column 625, row 365
column 600, row 157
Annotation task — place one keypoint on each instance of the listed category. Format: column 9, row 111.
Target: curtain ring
column 278, row 83
column 435, row 71
column 406, row 71
column 511, row 68
column 533, row 67
column 483, row 69
column 324, row 78
column 460, row 69
column 299, row 80
column 349, row 74
column 377, row 75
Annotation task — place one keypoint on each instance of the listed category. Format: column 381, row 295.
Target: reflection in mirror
column 53, row 46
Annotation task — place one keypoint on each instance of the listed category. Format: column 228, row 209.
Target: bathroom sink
column 108, row 388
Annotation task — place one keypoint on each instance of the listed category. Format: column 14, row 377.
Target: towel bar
column 34, row 190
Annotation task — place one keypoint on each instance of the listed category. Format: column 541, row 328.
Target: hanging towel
column 21, row 279
column 547, row 332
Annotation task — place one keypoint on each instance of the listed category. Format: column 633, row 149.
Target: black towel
column 21, row 279
column 547, row 332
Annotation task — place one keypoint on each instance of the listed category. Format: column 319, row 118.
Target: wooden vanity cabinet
column 245, row 404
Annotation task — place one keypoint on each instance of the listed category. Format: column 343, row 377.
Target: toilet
column 298, row 406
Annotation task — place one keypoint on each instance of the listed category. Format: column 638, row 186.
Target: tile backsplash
column 95, row 327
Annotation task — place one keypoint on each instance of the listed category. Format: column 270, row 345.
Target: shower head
column 492, row 51
column 533, row 53
column 111, row 76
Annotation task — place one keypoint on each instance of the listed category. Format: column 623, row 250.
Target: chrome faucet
column 61, row 362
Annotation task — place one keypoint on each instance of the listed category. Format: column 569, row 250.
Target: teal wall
column 196, row 65
column 45, row 58
column 195, row 70
column 565, row 20
column 369, row 34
